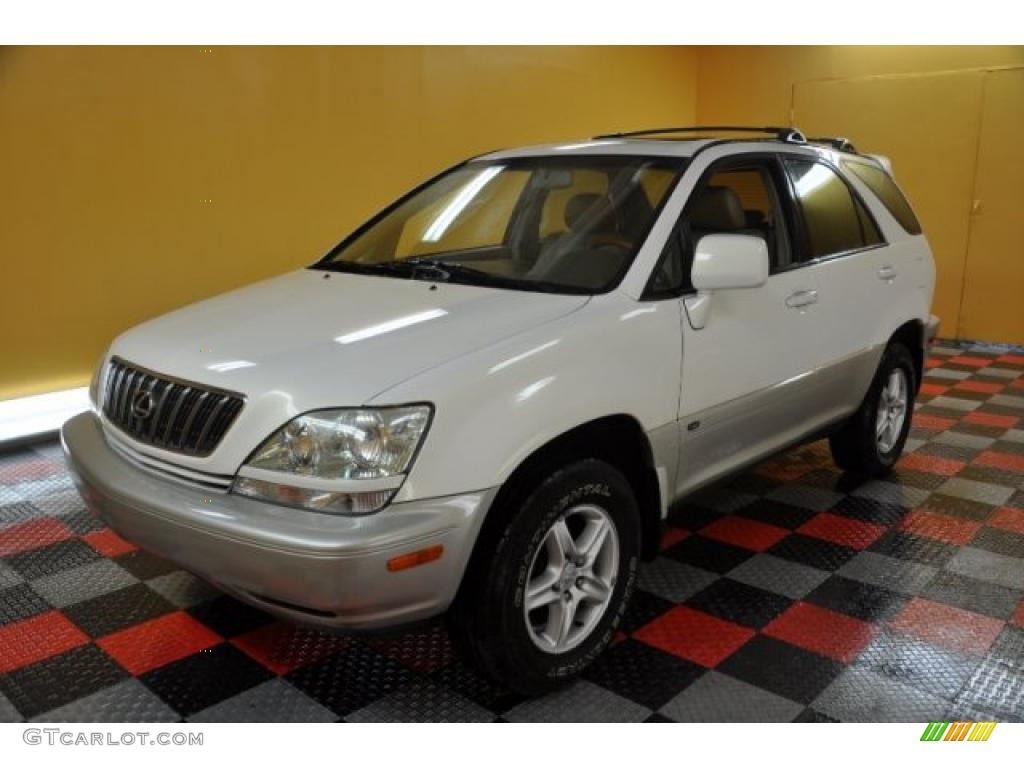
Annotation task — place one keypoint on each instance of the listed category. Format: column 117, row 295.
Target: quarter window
column 885, row 189
column 835, row 221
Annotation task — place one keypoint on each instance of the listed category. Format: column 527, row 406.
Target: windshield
column 562, row 224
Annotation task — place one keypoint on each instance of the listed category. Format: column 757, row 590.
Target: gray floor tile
column 1013, row 435
column 998, row 373
column 806, row 496
column 718, row 698
column 901, row 576
column 1008, row 649
column 976, row 491
column 672, row 580
column 862, row 696
column 988, row 566
column 963, row 440
column 953, row 403
column 973, row 594
column 127, row 702
column 948, row 373
column 943, row 350
column 775, row 574
column 182, row 588
column 8, row 577
column 274, row 701
column 8, row 714
column 60, row 502
column 82, row 583
column 996, row 687
column 912, row 444
column 422, row 702
column 891, row 493
column 914, row 662
column 1009, row 401
column 581, row 702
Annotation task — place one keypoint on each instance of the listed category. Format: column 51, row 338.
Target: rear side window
column 885, row 189
column 835, row 221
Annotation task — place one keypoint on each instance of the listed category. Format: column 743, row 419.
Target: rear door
column 745, row 385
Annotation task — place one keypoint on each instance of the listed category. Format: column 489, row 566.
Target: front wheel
column 547, row 600
column 871, row 442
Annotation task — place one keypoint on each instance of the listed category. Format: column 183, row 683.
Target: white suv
column 484, row 401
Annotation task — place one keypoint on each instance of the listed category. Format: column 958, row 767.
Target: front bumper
column 305, row 566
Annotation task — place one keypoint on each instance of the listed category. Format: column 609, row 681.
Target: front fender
column 496, row 406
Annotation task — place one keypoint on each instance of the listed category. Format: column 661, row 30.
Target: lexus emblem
column 142, row 405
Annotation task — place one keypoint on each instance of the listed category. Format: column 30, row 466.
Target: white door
column 748, row 383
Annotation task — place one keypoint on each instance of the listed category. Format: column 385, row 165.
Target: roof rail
column 791, row 135
column 840, row 143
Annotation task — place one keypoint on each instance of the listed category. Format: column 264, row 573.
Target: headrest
column 716, row 209
column 578, row 205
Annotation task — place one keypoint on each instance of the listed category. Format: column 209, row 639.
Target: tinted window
column 885, row 189
column 834, row 219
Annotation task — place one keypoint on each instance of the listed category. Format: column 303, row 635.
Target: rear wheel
column 872, row 441
column 547, row 593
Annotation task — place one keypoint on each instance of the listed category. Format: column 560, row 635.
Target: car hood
column 316, row 339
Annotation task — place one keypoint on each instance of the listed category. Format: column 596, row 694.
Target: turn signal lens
column 419, row 557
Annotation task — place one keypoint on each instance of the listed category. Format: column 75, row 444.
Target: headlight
column 346, row 460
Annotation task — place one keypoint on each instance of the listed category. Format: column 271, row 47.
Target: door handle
column 801, row 299
column 888, row 272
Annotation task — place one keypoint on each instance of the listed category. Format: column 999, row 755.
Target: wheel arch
column 911, row 334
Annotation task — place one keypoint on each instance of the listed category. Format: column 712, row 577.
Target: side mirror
column 723, row 262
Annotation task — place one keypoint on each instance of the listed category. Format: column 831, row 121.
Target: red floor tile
column 108, row 543
column 949, row 627
column 927, row 388
column 992, row 419
column 970, row 385
column 32, row 535
column 938, row 465
column 842, row 530
column 1012, row 359
column 952, row 530
column 975, row 362
column 1018, row 615
column 1009, row 461
column 26, row 642
column 30, row 470
column 158, row 642
column 1009, row 519
column 694, row 636
column 282, row 647
column 749, row 534
column 1017, row 383
column 927, row 421
column 934, row 362
column 672, row 535
column 822, row 631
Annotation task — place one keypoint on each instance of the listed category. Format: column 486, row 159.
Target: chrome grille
column 167, row 413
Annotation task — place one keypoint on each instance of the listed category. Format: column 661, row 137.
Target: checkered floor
column 793, row 593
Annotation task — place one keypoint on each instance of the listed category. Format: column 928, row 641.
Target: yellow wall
column 948, row 117
column 136, row 180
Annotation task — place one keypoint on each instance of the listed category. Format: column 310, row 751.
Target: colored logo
column 959, row 731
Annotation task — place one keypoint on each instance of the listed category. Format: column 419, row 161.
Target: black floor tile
column 782, row 668
column 965, row 509
column 777, row 513
column 204, row 679
column 642, row 609
column 20, row 602
column 643, row 674
column 919, row 549
column 869, row 511
column 117, row 610
column 53, row 558
column 856, row 598
column 972, row 594
column 349, row 680
column 999, row 541
column 59, row 680
column 144, row 565
column 708, row 554
column 229, row 617
column 739, row 603
column 823, row 555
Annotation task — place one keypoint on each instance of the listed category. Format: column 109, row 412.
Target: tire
column 519, row 565
column 858, row 447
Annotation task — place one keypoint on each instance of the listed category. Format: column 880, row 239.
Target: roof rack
column 840, row 143
column 791, row 135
